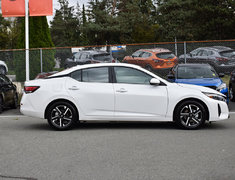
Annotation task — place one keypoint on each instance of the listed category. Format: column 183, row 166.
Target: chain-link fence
column 219, row 54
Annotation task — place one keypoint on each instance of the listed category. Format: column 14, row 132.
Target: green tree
column 39, row 37
column 196, row 19
column 65, row 26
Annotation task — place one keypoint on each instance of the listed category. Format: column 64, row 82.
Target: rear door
column 93, row 92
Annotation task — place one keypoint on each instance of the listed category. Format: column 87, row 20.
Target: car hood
column 201, row 82
column 200, row 88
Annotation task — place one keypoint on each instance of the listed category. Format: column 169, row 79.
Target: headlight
column 215, row 96
column 222, row 86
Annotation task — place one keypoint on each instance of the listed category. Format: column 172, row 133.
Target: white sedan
column 119, row 92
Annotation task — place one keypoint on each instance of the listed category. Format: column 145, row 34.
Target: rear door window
column 99, row 75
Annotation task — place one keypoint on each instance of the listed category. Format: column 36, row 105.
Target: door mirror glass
column 155, row 81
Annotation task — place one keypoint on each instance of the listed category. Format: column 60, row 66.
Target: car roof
column 156, row 50
column 74, row 68
column 93, row 52
column 217, row 48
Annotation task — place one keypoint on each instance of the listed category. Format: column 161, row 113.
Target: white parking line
column 12, row 116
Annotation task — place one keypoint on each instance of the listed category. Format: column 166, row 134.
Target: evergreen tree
column 65, row 26
column 39, row 37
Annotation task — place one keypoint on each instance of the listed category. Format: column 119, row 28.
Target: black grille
column 212, row 87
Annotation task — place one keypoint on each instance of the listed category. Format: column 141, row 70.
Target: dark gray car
column 220, row 57
column 89, row 57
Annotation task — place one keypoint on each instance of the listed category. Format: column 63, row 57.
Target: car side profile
column 119, row 92
column 152, row 59
column 89, row 57
column 8, row 93
column 220, row 57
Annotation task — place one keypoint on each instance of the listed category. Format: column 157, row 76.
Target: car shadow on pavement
column 128, row 126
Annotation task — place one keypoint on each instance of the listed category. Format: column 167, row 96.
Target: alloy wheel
column 191, row 115
column 61, row 116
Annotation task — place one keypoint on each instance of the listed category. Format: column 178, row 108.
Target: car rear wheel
column 61, row 115
column 190, row 115
column 15, row 102
column 231, row 93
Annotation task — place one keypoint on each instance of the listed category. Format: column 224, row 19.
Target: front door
column 135, row 98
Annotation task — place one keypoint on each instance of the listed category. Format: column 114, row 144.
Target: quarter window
column 131, row 76
column 77, row 75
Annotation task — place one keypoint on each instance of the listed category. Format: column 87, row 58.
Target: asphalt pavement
column 30, row 150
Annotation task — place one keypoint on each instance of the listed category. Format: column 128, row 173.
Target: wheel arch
column 193, row 99
column 58, row 100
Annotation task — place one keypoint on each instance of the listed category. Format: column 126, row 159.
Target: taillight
column 113, row 61
column 221, row 59
column 30, row 89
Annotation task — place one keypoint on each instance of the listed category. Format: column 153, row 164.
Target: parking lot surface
column 29, row 149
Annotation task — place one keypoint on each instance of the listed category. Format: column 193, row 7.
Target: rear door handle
column 74, row 88
column 122, row 90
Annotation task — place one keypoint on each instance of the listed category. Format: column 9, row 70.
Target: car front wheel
column 190, row 115
column 61, row 116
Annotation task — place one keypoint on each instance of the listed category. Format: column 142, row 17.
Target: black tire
column 149, row 68
column 231, row 93
column 62, row 116
column 190, row 115
column 1, row 104
column 15, row 103
column 3, row 70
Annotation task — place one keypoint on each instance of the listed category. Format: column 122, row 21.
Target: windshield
column 187, row 72
column 165, row 55
column 228, row 54
column 102, row 57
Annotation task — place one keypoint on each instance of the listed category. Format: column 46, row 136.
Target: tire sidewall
column 179, row 108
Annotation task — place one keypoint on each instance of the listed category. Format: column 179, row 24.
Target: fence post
column 184, row 52
column 41, row 60
column 176, row 53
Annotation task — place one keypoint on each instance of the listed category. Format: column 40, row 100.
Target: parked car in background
column 153, row 59
column 119, row 92
column 8, row 93
column 232, row 86
column 44, row 75
column 220, row 57
column 89, row 57
column 3, row 68
column 198, row 75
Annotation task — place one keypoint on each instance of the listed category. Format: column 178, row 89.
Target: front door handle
column 122, row 90
column 74, row 88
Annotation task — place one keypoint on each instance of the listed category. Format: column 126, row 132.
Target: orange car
column 152, row 59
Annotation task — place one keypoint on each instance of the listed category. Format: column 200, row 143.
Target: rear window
column 228, row 54
column 165, row 55
column 102, row 57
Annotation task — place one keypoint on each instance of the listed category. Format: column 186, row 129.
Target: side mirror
column 170, row 76
column 155, row 81
column 221, row 75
